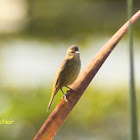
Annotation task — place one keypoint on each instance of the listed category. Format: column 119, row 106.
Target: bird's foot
column 65, row 98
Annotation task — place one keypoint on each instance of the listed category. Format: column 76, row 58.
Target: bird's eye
column 72, row 52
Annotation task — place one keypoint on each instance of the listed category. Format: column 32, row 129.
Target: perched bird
column 67, row 72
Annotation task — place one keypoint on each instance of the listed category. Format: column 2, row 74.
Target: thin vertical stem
column 133, row 110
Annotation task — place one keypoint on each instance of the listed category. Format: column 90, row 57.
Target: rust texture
column 62, row 110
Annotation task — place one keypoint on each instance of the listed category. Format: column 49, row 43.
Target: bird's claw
column 65, row 98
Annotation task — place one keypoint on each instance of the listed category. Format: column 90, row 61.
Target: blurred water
column 32, row 63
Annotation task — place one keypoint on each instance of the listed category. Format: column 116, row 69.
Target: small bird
column 67, row 72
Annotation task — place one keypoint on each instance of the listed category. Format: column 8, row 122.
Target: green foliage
column 28, row 109
column 96, row 106
column 67, row 20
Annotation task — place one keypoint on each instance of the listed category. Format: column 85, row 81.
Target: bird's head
column 73, row 51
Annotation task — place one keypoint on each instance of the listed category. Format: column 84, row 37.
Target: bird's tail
column 50, row 103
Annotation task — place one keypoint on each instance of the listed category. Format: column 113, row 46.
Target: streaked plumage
column 67, row 72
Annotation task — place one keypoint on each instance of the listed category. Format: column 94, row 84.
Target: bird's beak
column 77, row 52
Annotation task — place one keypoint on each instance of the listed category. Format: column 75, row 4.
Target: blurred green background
column 34, row 37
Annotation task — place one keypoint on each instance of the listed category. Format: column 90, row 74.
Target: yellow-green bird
column 67, row 72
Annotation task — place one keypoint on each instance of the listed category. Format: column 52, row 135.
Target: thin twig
column 62, row 110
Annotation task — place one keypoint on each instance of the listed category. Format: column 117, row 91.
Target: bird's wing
column 61, row 72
